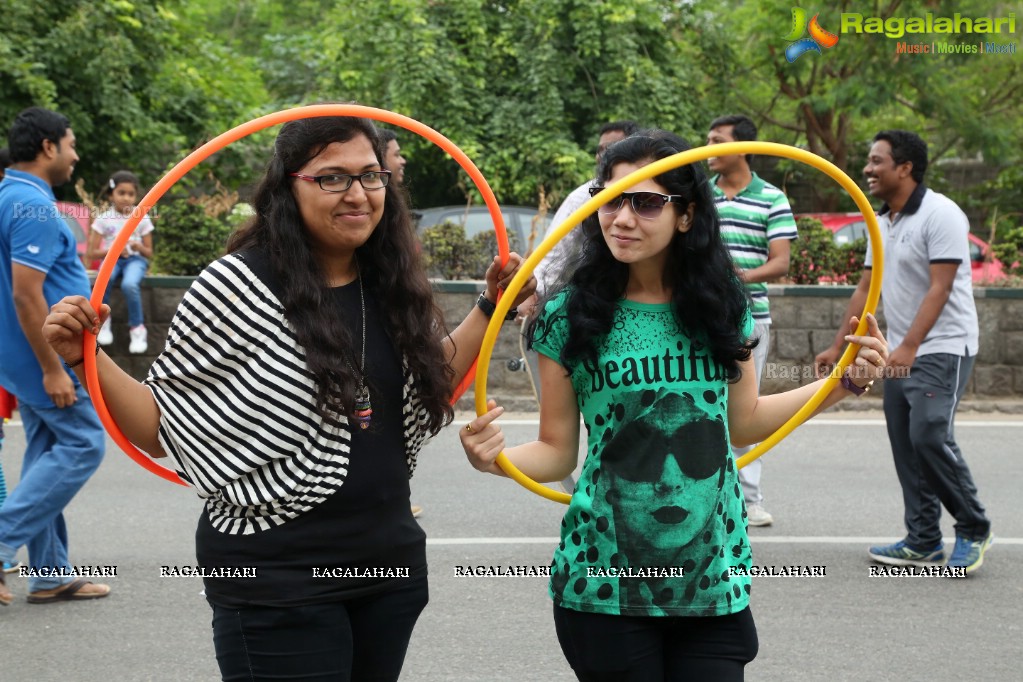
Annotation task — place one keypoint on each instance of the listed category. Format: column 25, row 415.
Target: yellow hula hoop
column 645, row 173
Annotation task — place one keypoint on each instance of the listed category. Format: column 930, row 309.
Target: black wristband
column 488, row 308
column 72, row 365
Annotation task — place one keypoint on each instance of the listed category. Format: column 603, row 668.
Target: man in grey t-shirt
column 932, row 330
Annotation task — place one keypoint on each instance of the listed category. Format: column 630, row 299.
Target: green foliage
column 521, row 86
column 833, row 103
column 278, row 41
column 1001, row 200
column 187, row 238
column 813, row 253
column 1010, row 251
column 448, row 254
column 815, row 258
column 851, row 259
column 142, row 82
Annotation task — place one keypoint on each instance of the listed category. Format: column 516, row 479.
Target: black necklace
column 363, row 406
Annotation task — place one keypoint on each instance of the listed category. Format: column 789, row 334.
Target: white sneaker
column 106, row 334
column 138, row 340
column 758, row 516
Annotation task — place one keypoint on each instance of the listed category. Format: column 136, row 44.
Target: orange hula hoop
column 201, row 154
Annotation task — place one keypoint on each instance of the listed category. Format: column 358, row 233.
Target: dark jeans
column 920, row 412
column 359, row 639
column 607, row 648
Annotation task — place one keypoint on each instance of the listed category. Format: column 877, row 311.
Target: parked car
column 518, row 222
column 848, row 227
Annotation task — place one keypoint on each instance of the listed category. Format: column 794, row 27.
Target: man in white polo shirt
column 933, row 333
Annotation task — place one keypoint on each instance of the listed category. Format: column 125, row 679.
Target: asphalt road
column 831, row 487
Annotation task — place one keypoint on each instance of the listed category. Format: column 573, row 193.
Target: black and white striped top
column 238, row 405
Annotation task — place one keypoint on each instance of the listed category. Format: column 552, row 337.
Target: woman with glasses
column 648, row 342
column 301, row 375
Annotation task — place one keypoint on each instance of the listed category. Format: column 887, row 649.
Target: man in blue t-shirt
column 64, row 439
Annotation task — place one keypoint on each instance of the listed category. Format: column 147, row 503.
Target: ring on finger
column 468, row 428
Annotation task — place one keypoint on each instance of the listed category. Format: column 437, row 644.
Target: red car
column 848, row 227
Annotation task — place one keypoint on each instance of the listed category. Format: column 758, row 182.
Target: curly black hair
column 907, row 147
column 389, row 264
column 709, row 300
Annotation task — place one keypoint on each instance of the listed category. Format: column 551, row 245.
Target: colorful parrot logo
column 818, row 36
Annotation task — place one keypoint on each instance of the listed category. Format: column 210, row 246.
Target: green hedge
column 449, row 254
column 815, row 258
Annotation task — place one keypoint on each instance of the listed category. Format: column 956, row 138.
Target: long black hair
column 389, row 266
column 708, row 299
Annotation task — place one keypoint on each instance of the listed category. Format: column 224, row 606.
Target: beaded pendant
column 363, row 407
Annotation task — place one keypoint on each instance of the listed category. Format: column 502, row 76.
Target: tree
column 520, row 86
column 141, row 85
column 833, row 103
column 280, row 40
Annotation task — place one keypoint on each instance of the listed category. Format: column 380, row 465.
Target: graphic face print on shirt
column 658, row 488
column 663, row 467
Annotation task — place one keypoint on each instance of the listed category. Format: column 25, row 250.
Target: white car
column 520, row 222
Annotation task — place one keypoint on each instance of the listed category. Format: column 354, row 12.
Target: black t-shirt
column 363, row 538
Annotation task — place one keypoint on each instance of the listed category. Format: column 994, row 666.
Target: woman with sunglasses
column 648, row 341
column 301, row 375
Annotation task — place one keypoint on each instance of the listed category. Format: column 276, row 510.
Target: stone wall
column 805, row 318
column 804, row 322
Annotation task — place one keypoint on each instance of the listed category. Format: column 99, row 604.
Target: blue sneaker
column 901, row 554
column 970, row 553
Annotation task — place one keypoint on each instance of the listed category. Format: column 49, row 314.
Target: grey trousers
column 749, row 475
column 920, row 413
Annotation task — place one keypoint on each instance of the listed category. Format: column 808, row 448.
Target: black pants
column 919, row 411
column 607, row 648
column 358, row 639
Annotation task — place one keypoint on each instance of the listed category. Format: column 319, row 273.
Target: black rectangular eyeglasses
column 647, row 205
column 340, row 182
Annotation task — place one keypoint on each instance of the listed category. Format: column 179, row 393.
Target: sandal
column 69, row 592
column 5, row 595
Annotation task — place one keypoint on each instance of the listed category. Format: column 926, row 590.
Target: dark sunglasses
column 646, row 205
column 637, row 452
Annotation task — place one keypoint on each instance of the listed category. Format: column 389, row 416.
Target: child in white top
column 121, row 191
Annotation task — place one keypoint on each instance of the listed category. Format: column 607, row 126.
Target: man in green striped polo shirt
column 757, row 225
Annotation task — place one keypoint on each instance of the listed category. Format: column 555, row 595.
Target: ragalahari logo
column 818, row 36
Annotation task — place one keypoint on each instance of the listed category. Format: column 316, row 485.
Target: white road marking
column 821, row 422
column 754, row 539
column 813, row 422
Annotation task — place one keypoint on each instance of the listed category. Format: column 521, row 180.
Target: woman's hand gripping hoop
column 645, row 173
column 207, row 150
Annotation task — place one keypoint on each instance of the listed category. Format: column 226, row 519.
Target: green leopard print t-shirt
column 657, row 523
